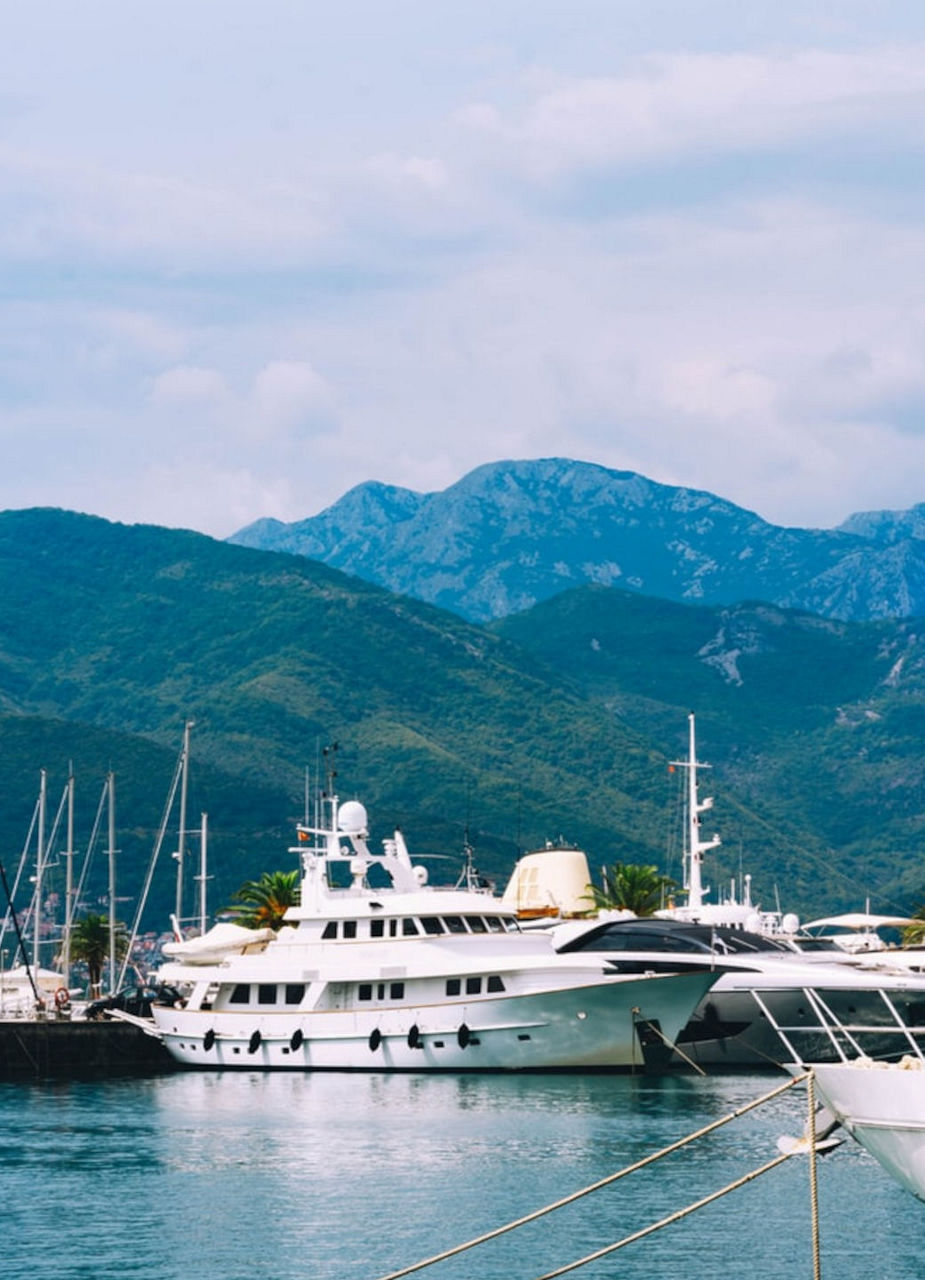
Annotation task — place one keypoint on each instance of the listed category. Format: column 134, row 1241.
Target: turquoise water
column 349, row 1177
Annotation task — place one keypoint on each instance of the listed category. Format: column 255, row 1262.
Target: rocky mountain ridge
column 511, row 534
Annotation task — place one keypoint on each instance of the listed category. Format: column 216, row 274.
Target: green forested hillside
column 560, row 722
column 137, row 629
column 813, row 726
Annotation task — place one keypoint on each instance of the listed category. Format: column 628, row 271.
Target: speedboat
column 375, row 969
column 762, row 987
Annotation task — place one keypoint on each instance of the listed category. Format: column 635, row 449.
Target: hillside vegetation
column 560, row 722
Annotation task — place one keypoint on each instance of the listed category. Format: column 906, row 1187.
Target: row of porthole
column 464, row 1038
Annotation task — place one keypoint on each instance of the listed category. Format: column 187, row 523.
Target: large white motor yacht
column 376, row 970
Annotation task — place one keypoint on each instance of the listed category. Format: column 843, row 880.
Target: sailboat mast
column 111, row 785
column 181, row 839
column 39, row 861
column 68, row 881
column 203, row 863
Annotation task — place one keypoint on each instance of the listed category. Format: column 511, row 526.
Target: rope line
column 604, row 1182
column 672, row 1217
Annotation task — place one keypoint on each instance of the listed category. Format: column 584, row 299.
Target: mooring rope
column 603, row 1182
column 813, row 1186
column 653, row 1026
column 673, row 1217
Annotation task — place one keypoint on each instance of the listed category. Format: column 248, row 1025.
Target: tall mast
column 202, row 877
column 40, row 858
column 111, row 786
column 696, row 847
column 181, row 839
column 69, row 880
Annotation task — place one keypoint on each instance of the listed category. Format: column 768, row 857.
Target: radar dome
column 351, row 818
column 790, row 923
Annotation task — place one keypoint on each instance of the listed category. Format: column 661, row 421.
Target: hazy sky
column 253, row 252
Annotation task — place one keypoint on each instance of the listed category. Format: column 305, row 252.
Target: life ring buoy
column 62, row 998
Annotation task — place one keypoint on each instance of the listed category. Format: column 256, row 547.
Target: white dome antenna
column 351, row 818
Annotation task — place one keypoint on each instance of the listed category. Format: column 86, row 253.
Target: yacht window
column 350, row 928
column 266, row 993
column 330, row 929
column 510, row 926
column 393, row 928
column 397, row 991
column 473, row 986
column 454, row 924
column 241, row 994
column 409, row 927
column 495, row 924
column 476, row 924
column 365, row 991
column 495, row 983
column 432, row 924
column 453, row 986
column 380, row 991
column 377, row 928
column 295, row 992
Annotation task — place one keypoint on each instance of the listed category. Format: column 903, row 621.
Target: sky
column 253, row 254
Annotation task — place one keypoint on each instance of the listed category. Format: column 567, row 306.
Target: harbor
column 351, row 1177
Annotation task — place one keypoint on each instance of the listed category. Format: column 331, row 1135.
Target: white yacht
column 376, row 970
column 762, row 987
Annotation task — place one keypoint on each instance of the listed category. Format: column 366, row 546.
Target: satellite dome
column 351, row 818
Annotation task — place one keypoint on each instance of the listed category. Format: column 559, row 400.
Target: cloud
column 682, row 104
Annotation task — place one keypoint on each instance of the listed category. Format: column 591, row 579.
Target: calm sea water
column 349, row 1177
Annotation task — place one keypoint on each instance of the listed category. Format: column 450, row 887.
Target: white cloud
column 263, row 262
column 689, row 103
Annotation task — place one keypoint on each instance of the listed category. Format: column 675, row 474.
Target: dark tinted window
column 266, row 993
column 453, row 986
column 241, row 994
column 295, row 992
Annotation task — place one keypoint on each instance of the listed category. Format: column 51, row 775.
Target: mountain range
column 511, row 534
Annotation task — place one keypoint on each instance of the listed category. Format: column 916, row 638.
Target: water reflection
column 351, row 1176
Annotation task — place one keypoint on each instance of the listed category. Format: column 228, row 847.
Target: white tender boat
column 385, row 973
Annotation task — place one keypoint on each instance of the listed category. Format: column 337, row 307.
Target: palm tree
column 90, row 943
column 264, row 902
column 914, row 934
column 629, row 886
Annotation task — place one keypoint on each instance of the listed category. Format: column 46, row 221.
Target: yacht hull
column 610, row 1024
column 882, row 1105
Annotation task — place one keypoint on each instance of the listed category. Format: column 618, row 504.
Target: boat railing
column 889, row 1036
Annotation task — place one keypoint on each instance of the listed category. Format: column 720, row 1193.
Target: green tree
column 630, row 886
column 90, row 943
column 262, row 903
column 914, row 934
